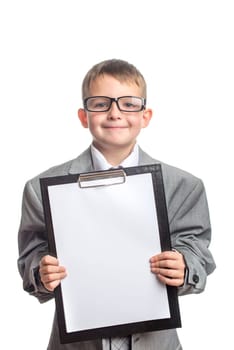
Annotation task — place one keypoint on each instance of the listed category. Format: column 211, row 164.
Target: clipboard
column 104, row 227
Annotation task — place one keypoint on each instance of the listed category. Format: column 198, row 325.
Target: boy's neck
column 114, row 156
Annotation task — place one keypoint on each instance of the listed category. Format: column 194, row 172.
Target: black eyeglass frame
column 115, row 99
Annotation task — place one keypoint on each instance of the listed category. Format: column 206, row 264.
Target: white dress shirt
column 100, row 163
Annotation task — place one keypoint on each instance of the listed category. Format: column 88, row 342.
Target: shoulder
column 184, row 192
column 73, row 166
column 171, row 174
column 174, row 176
column 179, row 184
column 55, row 170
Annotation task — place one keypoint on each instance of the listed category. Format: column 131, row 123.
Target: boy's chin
column 115, row 145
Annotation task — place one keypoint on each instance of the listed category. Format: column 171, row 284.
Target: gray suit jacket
column 190, row 234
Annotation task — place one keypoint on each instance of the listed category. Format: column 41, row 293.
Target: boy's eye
column 98, row 104
column 129, row 105
column 101, row 105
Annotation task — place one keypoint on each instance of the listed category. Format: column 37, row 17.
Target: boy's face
column 114, row 129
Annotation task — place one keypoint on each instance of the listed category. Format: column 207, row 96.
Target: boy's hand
column 169, row 266
column 50, row 272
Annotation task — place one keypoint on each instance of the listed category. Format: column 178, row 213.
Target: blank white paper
column 105, row 237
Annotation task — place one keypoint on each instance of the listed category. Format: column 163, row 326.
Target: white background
column 185, row 51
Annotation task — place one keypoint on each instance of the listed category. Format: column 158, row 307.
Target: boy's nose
column 114, row 112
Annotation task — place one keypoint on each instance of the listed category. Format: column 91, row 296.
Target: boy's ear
column 147, row 117
column 83, row 117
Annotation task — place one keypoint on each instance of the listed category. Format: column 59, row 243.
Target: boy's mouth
column 114, row 127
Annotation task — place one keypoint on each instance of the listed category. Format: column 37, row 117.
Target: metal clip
column 102, row 178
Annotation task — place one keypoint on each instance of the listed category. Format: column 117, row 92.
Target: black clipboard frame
column 164, row 232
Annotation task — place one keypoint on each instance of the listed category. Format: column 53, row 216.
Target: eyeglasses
column 124, row 103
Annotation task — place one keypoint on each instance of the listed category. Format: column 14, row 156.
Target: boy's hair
column 119, row 69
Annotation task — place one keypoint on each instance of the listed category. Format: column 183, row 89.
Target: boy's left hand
column 169, row 267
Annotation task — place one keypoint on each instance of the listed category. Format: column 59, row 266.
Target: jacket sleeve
column 191, row 234
column 32, row 242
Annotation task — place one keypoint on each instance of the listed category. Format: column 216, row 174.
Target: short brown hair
column 119, row 69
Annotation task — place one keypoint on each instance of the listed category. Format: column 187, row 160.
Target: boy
column 114, row 96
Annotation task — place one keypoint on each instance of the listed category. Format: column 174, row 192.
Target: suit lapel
column 145, row 159
column 83, row 163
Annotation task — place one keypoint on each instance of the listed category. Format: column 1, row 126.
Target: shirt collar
column 100, row 162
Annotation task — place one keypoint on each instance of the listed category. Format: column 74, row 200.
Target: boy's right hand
column 51, row 273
